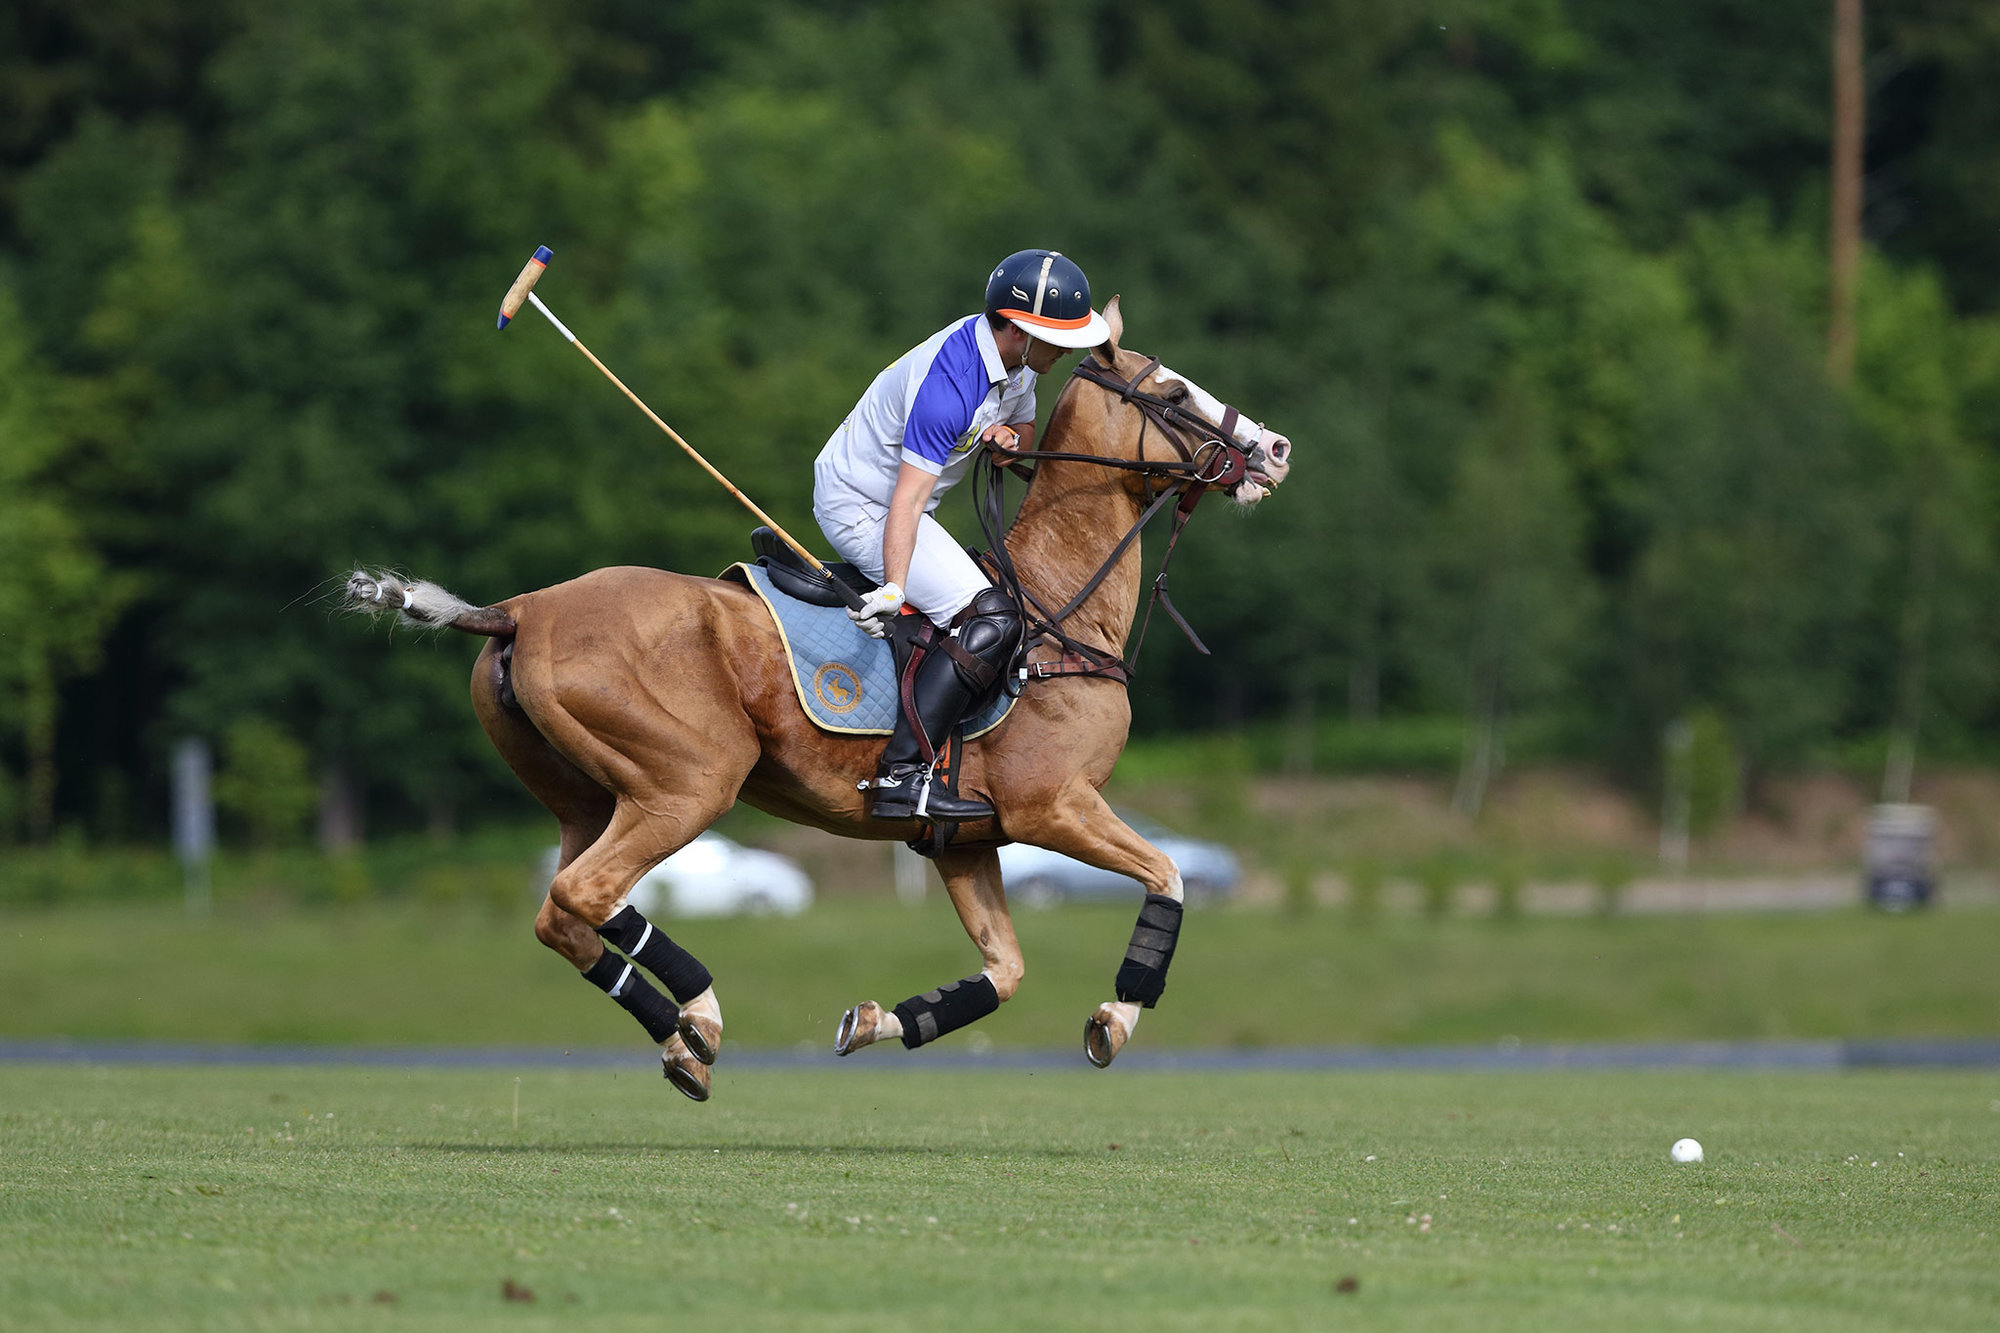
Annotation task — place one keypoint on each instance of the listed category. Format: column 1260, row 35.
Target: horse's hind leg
column 696, row 1020
column 688, row 1033
column 972, row 878
column 591, row 892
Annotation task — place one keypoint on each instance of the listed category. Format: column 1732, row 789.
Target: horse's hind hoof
column 1104, row 1035
column 682, row 1070
column 701, row 1027
column 858, row 1028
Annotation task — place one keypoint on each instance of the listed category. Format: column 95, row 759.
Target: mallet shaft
column 847, row 594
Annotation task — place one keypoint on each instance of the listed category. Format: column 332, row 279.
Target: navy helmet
column 1045, row 294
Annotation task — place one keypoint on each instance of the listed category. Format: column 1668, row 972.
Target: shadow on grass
column 624, row 1151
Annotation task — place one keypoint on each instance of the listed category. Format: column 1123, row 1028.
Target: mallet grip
column 530, row 273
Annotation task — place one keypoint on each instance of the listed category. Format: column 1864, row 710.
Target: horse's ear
column 1109, row 351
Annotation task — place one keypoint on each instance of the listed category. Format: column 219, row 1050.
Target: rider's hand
column 1004, row 436
column 877, row 609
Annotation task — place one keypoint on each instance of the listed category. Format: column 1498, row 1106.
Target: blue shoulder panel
column 951, row 392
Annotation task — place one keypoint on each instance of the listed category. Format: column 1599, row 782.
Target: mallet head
column 530, row 272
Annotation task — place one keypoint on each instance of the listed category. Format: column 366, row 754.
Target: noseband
column 1209, row 457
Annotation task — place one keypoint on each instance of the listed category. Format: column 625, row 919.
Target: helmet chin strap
column 1027, row 344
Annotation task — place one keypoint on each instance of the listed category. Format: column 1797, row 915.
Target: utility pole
column 1849, row 126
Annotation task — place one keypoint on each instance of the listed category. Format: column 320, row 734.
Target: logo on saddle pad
column 838, row 687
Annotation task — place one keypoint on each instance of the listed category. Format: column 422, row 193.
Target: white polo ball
column 1685, row 1150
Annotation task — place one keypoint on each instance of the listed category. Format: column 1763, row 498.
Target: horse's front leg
column 1082, row 825
column 972, row 878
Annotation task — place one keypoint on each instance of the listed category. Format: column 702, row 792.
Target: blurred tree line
column 1538, row 287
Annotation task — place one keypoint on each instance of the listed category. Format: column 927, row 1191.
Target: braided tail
column 422, row 604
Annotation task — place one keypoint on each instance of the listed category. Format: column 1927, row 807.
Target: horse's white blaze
column 1208, row 405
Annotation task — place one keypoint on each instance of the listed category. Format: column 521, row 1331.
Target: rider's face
column 1043, row 356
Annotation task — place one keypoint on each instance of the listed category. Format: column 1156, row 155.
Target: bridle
column 1209, row 457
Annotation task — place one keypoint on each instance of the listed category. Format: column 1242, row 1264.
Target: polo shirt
column 927, row 409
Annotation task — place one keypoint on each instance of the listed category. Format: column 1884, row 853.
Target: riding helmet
column 1045, row 294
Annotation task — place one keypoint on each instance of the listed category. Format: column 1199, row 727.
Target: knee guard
column 929, row 1016
column 635, row 937
column 989, row 629
column 1142, row 977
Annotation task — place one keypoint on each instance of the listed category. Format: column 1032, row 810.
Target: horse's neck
column 1072, row 517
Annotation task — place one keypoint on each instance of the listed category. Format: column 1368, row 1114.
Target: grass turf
column 873, row 1197
column 410, row 974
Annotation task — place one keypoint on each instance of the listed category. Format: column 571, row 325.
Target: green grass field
column 873, row 1198
column 462, row 975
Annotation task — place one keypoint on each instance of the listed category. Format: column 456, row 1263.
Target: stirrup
column 912, row 794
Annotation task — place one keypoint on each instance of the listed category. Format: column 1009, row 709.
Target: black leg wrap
column 624, row 983
column 929, row 1016
column 1142, row 977
column 649, row 946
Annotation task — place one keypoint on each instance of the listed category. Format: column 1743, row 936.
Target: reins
column 1214, row 459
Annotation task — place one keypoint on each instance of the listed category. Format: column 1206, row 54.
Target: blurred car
column 713, row 876
column 1037, row 877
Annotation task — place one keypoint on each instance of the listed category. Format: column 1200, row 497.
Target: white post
column 194, row 821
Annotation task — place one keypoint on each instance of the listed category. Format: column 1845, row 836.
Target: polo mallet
column 523, row 290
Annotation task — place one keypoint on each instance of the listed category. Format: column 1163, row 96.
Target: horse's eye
column 1177, row 394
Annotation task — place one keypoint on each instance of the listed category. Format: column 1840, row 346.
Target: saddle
column 795, row 578
column 846, row 681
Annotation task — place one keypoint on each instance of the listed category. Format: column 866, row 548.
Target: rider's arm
column 899, row 531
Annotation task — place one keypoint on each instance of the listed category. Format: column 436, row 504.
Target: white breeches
column 943, row 578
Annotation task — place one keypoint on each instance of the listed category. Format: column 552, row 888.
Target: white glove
column 877, row 609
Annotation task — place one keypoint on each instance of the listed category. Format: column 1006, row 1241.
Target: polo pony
column 639, row 705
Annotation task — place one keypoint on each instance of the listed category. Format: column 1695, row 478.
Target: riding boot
column 988, row 634
column 942, row 699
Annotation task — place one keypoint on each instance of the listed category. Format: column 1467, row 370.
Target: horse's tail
column 422, row 604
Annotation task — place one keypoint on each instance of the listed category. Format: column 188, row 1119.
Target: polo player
column 911, row 438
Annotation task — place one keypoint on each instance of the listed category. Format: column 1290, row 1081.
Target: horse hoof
column 1104, row 1035
column 858, row 1027
column 701, row 1026
column 682, row 1070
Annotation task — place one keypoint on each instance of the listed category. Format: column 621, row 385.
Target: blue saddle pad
column 846, row 680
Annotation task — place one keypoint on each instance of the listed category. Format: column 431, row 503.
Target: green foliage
column 264, row 781
column 1536, row 287
column 1713, row 773
column 58, row 595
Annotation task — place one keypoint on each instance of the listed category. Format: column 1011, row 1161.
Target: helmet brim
column 1093, row 332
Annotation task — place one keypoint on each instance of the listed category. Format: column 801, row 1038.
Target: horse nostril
column 1281, row 449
